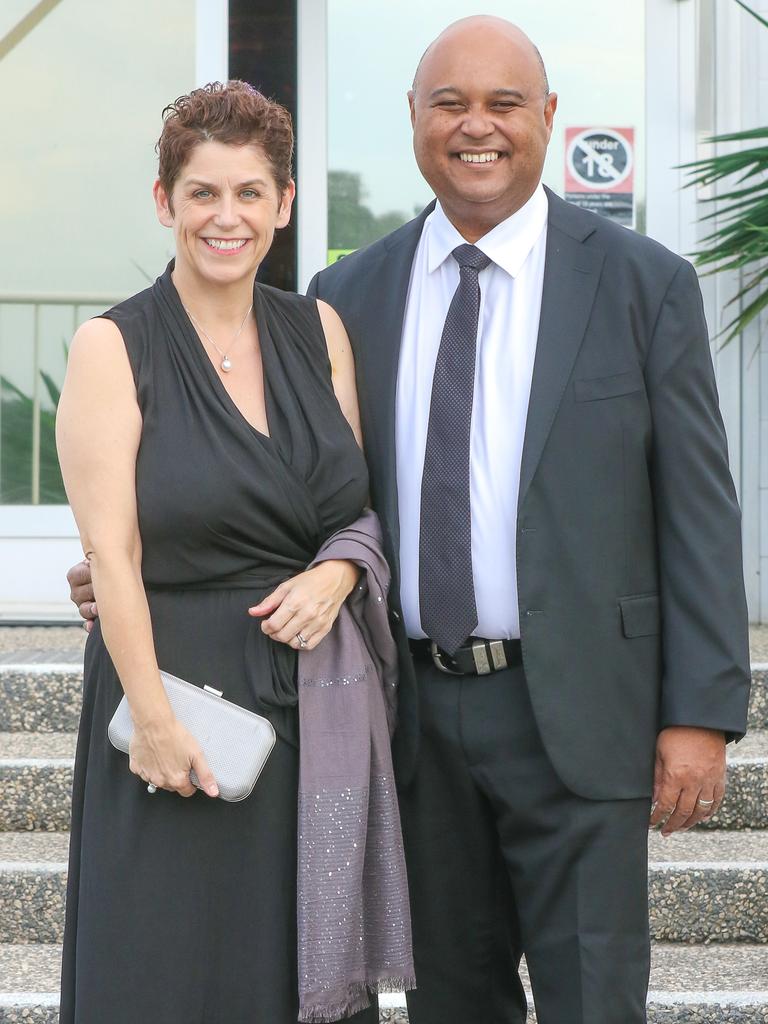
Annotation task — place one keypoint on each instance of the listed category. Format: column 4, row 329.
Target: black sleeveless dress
column 184, row 911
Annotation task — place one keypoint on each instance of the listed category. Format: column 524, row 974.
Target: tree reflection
column 351, row 224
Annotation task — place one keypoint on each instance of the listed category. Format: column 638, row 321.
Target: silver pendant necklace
column 226, row 362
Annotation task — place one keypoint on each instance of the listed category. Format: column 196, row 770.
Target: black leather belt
column 477, row 657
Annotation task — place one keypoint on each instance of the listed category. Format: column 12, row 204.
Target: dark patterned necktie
column 446, row 587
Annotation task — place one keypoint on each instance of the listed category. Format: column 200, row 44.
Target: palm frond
column 739, row 240
column 753, row 13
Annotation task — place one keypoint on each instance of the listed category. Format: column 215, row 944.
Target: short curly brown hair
column 234, row 113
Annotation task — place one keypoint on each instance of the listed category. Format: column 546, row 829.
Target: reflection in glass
column 595, row 56
column 78, row 167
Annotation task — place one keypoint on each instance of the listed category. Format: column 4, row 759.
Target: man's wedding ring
column 302, row 640
column 151, row 788
column 705, row 803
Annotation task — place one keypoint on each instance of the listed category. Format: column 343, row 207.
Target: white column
column 312, row 140
column 670, row 120
column 211, row 41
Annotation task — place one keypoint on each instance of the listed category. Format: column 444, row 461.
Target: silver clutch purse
column 236, row 742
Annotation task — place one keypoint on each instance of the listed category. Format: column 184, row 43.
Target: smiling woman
column 227, row 452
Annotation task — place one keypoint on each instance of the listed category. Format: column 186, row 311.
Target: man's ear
column 412, row 105
column 163, row 205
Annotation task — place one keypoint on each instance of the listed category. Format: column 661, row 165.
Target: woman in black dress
column 209, row 439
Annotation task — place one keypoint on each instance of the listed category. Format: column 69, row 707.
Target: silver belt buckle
column 498, row 655
column 437, row 659
column 480, row 657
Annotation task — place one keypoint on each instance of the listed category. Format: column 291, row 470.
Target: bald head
column 482, row 117
column 474, row 28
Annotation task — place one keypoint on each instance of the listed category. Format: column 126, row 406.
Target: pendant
column 226, row 365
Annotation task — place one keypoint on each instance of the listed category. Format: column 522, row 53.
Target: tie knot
column 470, row 256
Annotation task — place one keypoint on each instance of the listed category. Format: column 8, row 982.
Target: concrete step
column 41, row 696
column 40, row 689
column 709, row 887
column 689, row 985
column 36, row 780
column 33, row 877
column 746, row 802
column 704, row 887
column 758, row 704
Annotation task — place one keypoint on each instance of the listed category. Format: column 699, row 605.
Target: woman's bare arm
column 342, row 366
column 98, row 453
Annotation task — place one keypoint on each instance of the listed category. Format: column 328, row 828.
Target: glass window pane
column 89, row 82
column 595, row 57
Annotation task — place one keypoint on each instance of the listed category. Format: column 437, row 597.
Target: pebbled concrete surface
column 675, row 971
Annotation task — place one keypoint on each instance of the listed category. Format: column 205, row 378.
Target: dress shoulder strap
column 135, row 318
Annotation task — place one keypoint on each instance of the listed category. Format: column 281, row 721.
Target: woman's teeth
column 222, row 243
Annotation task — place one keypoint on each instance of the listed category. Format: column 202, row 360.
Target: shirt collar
column 508, row 244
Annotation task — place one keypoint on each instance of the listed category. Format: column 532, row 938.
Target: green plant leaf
column 753, row 13
column 54, row 392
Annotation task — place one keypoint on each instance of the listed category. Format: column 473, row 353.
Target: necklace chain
column 226, row 362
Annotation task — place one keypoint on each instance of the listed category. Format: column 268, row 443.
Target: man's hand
column 689, row 779
column 81, row 591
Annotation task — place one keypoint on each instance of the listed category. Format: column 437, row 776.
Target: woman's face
column 224, row 209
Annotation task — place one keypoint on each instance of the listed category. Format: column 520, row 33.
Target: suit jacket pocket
column 594, row 389
column 640, row 615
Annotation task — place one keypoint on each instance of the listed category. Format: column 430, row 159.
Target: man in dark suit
column 549, row 464
column 589, row 483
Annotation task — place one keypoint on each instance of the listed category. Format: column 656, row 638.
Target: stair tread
column 700, row 847
column 754, row 745
column 48, row 638
column 676, row 971
column 37, row 745
column 692, row 849
column 27, row 848
column 43, row 745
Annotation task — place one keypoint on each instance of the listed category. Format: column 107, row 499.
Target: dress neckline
column 208, row 367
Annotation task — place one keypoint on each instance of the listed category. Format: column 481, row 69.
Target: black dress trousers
column 503, row 858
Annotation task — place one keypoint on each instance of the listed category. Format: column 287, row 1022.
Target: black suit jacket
column 629, row 571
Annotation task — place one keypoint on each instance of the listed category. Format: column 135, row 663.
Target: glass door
column 85, row 86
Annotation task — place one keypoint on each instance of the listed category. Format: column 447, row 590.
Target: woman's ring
column 151, row 788
column 705, row 803
column 302, row 640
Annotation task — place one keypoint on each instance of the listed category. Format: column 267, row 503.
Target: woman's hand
column 307, row 604
column 163, row 752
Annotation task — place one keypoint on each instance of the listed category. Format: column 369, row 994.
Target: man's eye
column 249, row 193
column 202, row 193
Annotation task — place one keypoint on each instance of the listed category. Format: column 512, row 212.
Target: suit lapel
column 384, row 329
column 571, row 275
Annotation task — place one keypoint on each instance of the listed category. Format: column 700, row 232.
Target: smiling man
column 549, row 463
column 548, row 458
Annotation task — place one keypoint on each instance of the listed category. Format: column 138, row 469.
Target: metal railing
column 37, row 300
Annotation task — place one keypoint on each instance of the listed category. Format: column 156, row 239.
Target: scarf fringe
column 359, row 999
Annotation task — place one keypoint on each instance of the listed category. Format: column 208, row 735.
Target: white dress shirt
column 510, row 305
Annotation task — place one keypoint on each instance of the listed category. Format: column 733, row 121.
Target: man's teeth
column 478, row 158
column 221, row 243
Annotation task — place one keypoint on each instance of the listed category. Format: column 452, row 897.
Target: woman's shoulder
column 287, row 302
column 136, row 308
column 129, row 324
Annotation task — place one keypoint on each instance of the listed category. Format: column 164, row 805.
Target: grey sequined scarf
column 354, row 927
